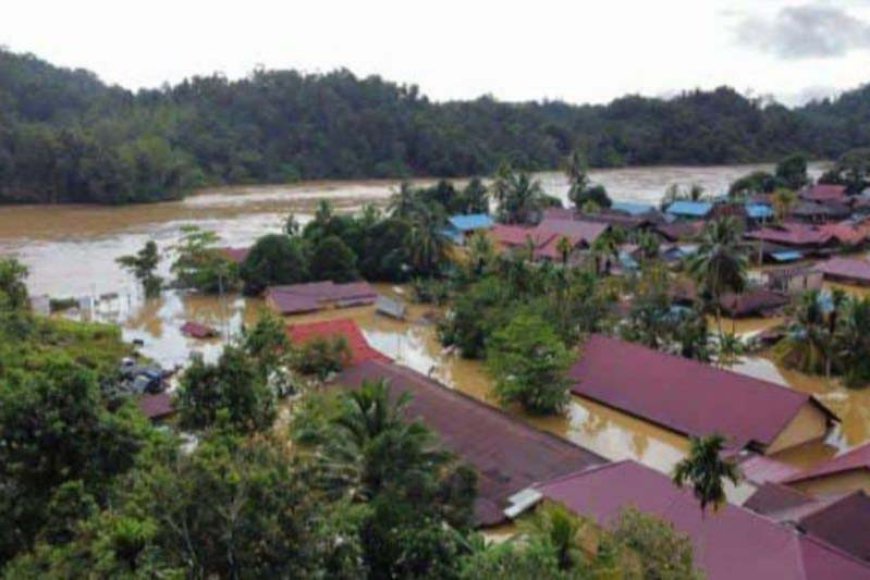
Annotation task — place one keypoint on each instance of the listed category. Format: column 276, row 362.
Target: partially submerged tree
column 143, row 265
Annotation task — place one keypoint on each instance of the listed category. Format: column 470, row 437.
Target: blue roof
column 471, row 222
column 453, row 235
column 759, row 211
column 631, row 208
column 787, row 256
column 690, row 208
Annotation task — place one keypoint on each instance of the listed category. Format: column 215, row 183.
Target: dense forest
column 65, row 136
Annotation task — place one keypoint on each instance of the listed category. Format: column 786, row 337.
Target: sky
column 579, row 51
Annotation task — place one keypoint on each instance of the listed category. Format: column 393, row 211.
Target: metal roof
column 690, row 208
column 632, row 208
column 471, row 222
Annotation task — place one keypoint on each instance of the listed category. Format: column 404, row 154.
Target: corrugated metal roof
column 508, row 454
column 824, row 192
column 787, row 256
column 733, row 543
column 360, row 349
column 759, row 211
column 471, row 222
column 313, row 296
column 632, row 208
column 686, row 396
column 854, row 460
column 690, row 208
column 857, row 269
column 157, row 406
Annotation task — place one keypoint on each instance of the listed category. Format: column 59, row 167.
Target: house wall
column 810, row 424
column 836, row 484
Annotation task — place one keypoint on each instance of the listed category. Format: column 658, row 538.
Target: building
column 753, row 302
column 156, row 407
column 794, row 236
column 198, row 330
column 235, row 255
column 696, row 399
column 819, row 212
column 845, row 270
column 545, row 238
column 632, row 208
column 734, row 543
column 845, row 473
column 391, row 307
column 823, row 192
column 680, row 231
column 689, row 210
column 461, row 227
column 360, row 349
column 508, row 454
column 314, row 296
column 841, row 520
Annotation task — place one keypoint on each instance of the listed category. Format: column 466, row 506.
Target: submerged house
column 461, row 227
column 696, row 399
column 845, row 473
column 508, row 454
column 735, row 543
column 794, row 280
column 315, row 296
column 360, row 349
column 845, row 270
column 753, row 302
column 156, row 407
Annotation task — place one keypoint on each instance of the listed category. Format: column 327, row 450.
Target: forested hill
column 67, row 137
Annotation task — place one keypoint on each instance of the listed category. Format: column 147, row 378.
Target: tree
column 520, row 198
column 529, row 362
column 13, row 285
column 719, row 265
column 580, row 189
column 404, row 202
column 273, row 260
column 321, row 357
column 231, row 392
column 706, row 471
column 473, row 199
column 333, row 260
column 199, row 265
column 783, row 202
column 791, row 172
column 427, row 246
column 143, row 265
column 267, row 344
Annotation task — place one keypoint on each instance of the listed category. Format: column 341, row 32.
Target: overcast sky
column 576, row 50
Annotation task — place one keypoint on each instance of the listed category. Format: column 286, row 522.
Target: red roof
column 684, row 395
column 856, row 459
column 733, row 543
column 846, row 233
column 197, row 330
column 760, row 469
column 508, row 454
column 515, row 235
column 824, row 192
column 313, row 296
column 237, row 255
column 792, row 234
column 360, row 348
column 857, row 269
column 157, row 406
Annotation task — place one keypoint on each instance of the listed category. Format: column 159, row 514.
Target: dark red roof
column 733, row 543
column 686, row 396
column 515, row 235
column 578, row 232
column 793, row 235
column 197, row 330
column 856, row 459
column 752, row 302
column 237, row 255
column 824, row 192
column 680, row 230
column 360, row 348
column 508, row 454
column 774, row 497
column 157, row 406
column 760, row 469
column 313, row 296
column 853, row 269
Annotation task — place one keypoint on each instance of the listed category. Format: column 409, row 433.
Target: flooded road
column 71, row 251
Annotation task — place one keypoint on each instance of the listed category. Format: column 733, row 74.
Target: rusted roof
column 733, row 543
column 680, row 230
column 857, row 459
column 792, row 234
column 313, row 296
column 856, row 269
column 687, row 396
column 516, row 235
column 157, row 406
column 360, row 348
column 508, row 454
column 578, row 231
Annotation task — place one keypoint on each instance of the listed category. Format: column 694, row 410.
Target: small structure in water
column 156, row 407
column 198, row 330
column 391, row 307
column 315, row 296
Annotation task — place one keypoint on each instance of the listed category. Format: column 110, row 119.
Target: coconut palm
column 404, row 202
column 571, row 537
column 720, row 264
column 783, row 201
column 481, row 253
column 852, row 341
column 807, row 343
column 427, row 245
column 706, row 471
column 729, row 348
column 606, row 246
column 520, row 198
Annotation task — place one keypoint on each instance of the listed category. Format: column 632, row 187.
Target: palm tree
column 520, row 197
column 806, row 346
column 783, row 201
column 720, row 265
column 427, row 244
column 706, row 471
column 481, row 253
column 729, row 349
column 404, row 202
column 570, row 537
column 564, row 247
column 578, row 180
column 607, row 247
column 648, row 243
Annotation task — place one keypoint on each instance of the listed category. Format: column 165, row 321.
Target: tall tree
column 706, row 471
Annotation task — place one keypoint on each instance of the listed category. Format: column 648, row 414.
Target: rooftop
column 851, row 268
column 471, row 222
column 824, row 192
column 733, row 543
column 313, row 296
column 508, row 454
column 857, row 459
column 360, row 349
column 696, row 209
column 157, row 406
column 686, row 396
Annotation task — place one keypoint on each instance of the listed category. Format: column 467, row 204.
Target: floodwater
column 71, row 251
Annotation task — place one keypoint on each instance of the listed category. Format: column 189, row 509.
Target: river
column 71, row 251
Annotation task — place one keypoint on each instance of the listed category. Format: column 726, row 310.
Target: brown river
column 71, row 252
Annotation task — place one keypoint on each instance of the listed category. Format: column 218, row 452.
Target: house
column 794, row 236
column 845, row 473
column 696, row 399
column 759, row 212
column 841, row 520
column 461, row 227
column 733, row 543
column 761, row 470
column 235, row 255
column 314, row 296
column 676, row 252
column 689, row 210
column 753, row 302
column 823, row 192
column 198, row 330
column 795, row 280
column 680, row 231
column 624, row 220
column 632, row 208
column 508, row 454
column 819, row 212
column 391, row 307
column 156, row 407
column 545, row 238
column 845, row 270
column 360, row 349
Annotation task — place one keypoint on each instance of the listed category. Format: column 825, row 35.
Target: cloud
column 808, row 31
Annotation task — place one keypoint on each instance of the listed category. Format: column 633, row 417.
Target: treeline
column 67, row 137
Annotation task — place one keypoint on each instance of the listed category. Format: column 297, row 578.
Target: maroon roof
column 760, row 469
column 514, row 235
column 157, row 406
column 508, row 454
column 300, row 298
column 684, row 395
column 852, row 269
column 577, row 231
column 680, row 230
column 774, row 497
column 793, row 235
column 856, row 459
column 733, row 543
column 237, row 255
column 824, row 192
column 752, row 302
column 360, row 348
column 197, row 330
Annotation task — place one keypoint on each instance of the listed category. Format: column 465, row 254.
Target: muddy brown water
column 71, row 251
